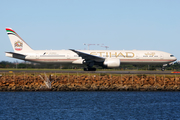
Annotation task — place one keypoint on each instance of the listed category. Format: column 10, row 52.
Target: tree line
column 30, row 65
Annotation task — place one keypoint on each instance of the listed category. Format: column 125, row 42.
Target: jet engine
column 79, row 62
column 112, row 62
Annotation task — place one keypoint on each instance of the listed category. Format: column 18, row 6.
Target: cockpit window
column 171, row 55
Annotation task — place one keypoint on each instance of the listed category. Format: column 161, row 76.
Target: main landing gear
column 90, row 66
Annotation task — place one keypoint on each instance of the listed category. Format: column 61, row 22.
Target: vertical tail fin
column 18, row 44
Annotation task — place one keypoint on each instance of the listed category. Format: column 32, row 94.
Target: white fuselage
column 125, row 56
column 104, row 58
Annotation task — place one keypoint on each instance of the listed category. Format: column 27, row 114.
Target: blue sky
column 66, row 24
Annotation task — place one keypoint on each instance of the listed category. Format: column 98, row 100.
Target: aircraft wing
column 88, row 57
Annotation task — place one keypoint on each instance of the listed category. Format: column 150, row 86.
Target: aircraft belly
column 63, row 61
column 147, row 61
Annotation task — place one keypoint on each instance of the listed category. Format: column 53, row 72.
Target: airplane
column 88, row 58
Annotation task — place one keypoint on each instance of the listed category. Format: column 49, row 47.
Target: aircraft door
column 137, row 56
column 69, row 56
column 161, row 56
column 37, row 56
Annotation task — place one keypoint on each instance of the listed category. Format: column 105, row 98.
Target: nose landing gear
column 163, row 68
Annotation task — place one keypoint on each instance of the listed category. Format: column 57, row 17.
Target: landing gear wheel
column 162, row 69
column 89, row 69
column 92, row 69
column 85, row 69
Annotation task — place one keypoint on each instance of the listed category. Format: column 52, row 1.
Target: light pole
column 105, row 47
column 89, row 45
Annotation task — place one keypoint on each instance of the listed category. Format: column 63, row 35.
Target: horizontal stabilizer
column 15, row 55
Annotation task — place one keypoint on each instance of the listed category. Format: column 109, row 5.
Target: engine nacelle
column 112, row 62
column 79, row 62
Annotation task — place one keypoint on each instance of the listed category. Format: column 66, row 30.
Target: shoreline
column 31, row 82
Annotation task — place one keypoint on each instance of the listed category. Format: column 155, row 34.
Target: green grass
column 26, row 69
column 41, row 69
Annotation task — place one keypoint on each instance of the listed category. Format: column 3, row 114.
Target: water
column 89, row 105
